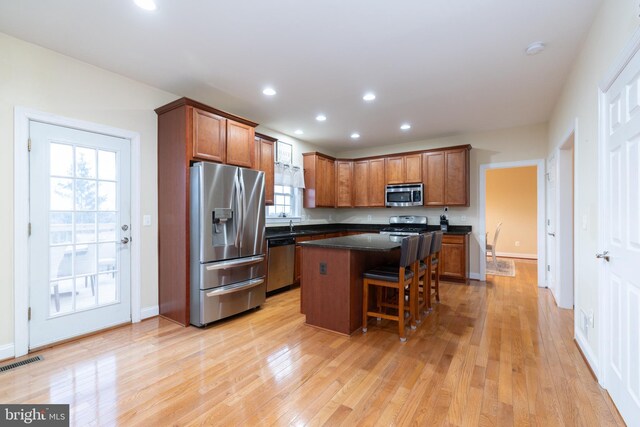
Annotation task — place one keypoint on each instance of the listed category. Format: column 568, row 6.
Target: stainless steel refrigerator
column 227, row 241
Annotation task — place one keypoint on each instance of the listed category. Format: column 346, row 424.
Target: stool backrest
column 409, row 251
column 436, row 242
column 425, row 245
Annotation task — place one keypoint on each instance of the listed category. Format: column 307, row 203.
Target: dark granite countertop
column 360, row 242
column 310, row 230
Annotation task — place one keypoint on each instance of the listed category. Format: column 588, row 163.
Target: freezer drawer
column 223, row 273
column 218, row 303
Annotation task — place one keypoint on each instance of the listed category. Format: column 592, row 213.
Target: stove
column 406, row 225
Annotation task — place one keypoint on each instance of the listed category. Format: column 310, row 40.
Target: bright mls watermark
column 34, row 415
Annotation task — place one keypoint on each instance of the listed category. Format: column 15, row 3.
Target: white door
column 551, row 225
column 621, row 230
column 78, row 249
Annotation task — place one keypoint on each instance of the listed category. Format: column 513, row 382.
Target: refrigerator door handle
column 235, row 263
column 235, row 288
column 241, row 201
column 239, row 214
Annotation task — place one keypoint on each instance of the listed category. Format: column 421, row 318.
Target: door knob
column 125, row 227
column 125, row 240
column 604, row 255
column 552, row 234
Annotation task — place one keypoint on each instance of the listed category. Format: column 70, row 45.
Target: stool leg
column 401, row 312
column 427, row 288
column 365, row 304
column 438, row 282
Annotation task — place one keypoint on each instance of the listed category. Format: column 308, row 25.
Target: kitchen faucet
column 290, row 226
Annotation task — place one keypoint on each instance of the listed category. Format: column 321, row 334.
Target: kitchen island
column 331, row 284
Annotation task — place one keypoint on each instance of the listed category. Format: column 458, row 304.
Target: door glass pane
column 61, row 159
column 85, row 227
column 85, row 260
column 106, row 165
column 107, row 226
column 61, row 195
column 107, row 290
column 61, row 297
column 85, row 162
column 107, row 257
column 60, row 261
column 60, row 228
column 85, row 195
column 85, row 292
column 107, row 196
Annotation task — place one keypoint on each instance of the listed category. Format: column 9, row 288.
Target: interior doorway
column 563, row 262
column 511, row 246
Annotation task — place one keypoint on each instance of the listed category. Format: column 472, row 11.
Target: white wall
column 613, row 27
column 504, row 145
column 41, row 79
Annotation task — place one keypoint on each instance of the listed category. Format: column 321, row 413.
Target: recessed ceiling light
column 405, row 126
column 321, row 117
column 299, row 132
column 369, row 96
column 269, row 91
column 355, row 135
column 534, row 48
column 146, row 4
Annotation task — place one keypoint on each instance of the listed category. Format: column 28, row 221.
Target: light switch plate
column 146, row 220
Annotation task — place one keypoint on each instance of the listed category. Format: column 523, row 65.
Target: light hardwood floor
column 499, row 353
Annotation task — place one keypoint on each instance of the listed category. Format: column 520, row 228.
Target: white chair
column 492, row 248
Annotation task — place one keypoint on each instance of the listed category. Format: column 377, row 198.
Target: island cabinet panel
column 240, row 144
column 320, row 181
column 454, row 257
column 333, row 299
column 264, row 161
column 376, row 182
column 413, row 168
column 457, row 178
column 209, row 135
column 433, row 173
column 361, row 184
column 344, row 184
column 394, row 169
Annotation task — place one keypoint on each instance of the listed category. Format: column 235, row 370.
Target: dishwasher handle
column 273, row 243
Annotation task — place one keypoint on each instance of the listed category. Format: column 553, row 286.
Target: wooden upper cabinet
column 446, row 177
column 264, row 161
column 240, row 144
column 320, row 181
column 413, row 168
column 344, row 184
column 361, row 184
column 376, row 182
column 394, row 169
column 433, row 174
column 209, row 135
column 456, row 177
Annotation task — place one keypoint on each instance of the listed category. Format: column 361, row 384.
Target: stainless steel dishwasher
column 282, row 253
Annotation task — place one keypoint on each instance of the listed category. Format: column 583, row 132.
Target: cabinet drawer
column 453, row 238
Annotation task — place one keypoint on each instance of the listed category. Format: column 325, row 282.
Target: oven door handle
column 237, row 263
column 235, row 288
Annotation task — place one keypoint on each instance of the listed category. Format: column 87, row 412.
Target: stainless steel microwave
column 404, row 195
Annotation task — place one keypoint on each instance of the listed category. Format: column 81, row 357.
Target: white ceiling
column 445, row 66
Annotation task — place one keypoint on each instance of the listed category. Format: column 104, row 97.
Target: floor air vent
column 14, row 365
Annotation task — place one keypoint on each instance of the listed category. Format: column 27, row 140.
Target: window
column 285, row 203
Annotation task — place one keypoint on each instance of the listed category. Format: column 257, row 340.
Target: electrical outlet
column 330, row 217
column 323, row 268
column 584, row 222
column 591, row 319
column 368, row 217
column 517, row 243
column 463, row 218
column 146, row 220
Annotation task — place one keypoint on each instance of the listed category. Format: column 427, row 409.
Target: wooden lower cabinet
column 454, row 257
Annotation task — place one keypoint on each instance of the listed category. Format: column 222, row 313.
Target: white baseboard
column 514, row 255
column 592, row 360
column 7, row 351
column 474, row 276
column 148, row 312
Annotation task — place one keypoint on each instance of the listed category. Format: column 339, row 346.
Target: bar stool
column 423, row 299
column 399, row 279
column 436, row 247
